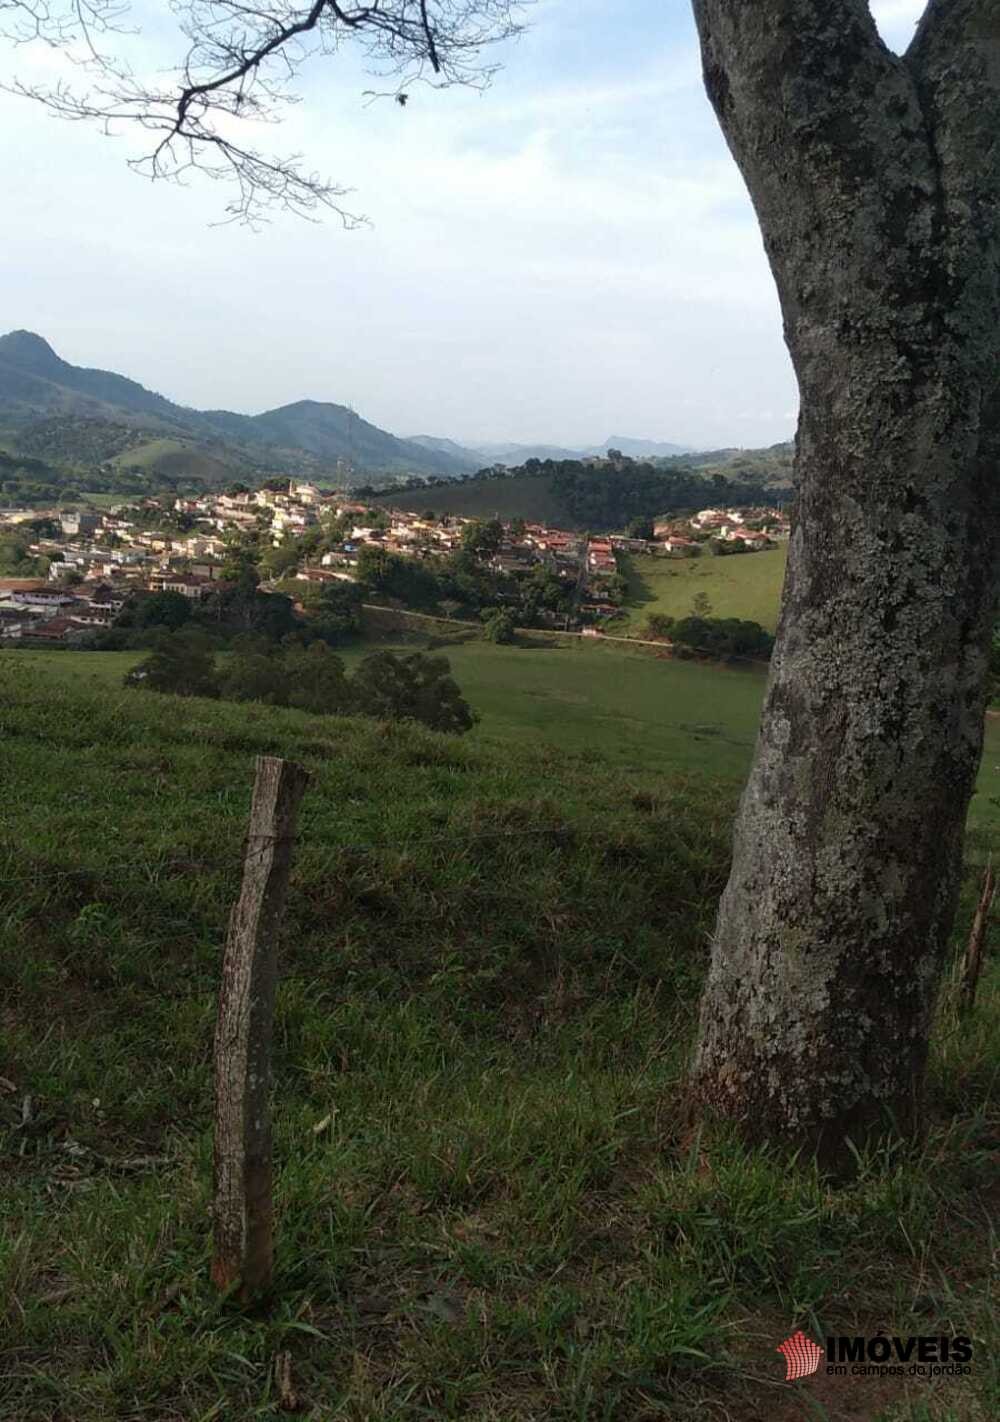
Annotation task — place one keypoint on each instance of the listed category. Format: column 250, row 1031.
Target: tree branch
column 241, row 64
column 58, row 24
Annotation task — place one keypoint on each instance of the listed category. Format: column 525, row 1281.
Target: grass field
column 635, row 710
column 639, row 712
column 745, row 585
column 488, row 1204
column 100, row 501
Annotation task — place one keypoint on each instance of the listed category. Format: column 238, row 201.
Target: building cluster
column 587, row 566
column 752, row 528
column 98, row 560
column 31, row 608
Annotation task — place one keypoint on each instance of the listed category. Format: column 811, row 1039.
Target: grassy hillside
column 770, row 468
column 639, row 712
column 180, row 459
column 488, row 1205
column 642, row 714
column 528, row 498
column 746, row 585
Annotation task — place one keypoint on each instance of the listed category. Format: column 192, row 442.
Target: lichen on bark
column 877, row 183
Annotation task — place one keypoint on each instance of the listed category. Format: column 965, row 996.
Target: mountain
column 464, row 454
column 33, row 380
column 514, row 455
column 641, row 448
column 308, row 437
column 78, row 416
column 332, row 432
column 478, row 456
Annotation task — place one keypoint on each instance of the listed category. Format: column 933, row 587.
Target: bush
column 255, row 676
column 658, row 624
column 499, row 627
column 311, row 678
column 411, row 688
column 163, row 609
column 316, row 680
column 723, row 637
column 181, row 663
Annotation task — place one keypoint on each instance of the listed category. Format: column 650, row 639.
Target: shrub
column 181, row 663
column 499, row 627
column 658, row 624
column 316, row 681
column 411, row 688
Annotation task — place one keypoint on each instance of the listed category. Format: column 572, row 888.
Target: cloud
column 571, row 253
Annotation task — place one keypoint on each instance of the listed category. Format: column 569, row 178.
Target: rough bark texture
column 876, row 180
column 243, row 1249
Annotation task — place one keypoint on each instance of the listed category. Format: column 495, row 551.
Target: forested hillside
column 578, row 494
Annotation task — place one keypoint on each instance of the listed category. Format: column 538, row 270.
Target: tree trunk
column 876, row 182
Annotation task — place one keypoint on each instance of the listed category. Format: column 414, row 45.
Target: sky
column 569, row 256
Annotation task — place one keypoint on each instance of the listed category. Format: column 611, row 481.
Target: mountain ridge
column 512, row 453
column 50, row 400
column 35, row 382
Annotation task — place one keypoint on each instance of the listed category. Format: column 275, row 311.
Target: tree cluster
column 311, row 678
column 465, row 582
column 237, row 609
column 701, row 634
column 628, row 494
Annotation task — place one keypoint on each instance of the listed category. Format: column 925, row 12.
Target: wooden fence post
column 973, row 962
column 243, row 1206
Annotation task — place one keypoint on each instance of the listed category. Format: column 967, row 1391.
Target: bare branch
column 59, row 24
column 240, row 65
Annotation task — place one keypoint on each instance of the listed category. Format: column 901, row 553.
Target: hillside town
column 95, row 561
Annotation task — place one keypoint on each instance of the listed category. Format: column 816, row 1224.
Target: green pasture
column 489, row 1202
column 633, row 708
column 744, row 585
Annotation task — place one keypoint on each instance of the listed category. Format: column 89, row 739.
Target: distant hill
column 33, row 379
column 461, row 453
column 80, row 419
column 770, row 468
column 573, row 494
column 641, row 448
column 307, row 437
column 531, row 498
column 479, row 456
column 332, row 432
column 514, row 455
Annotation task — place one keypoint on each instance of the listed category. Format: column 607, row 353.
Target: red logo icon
column 802, row 1356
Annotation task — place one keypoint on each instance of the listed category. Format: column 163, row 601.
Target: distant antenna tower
column 352, row 416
